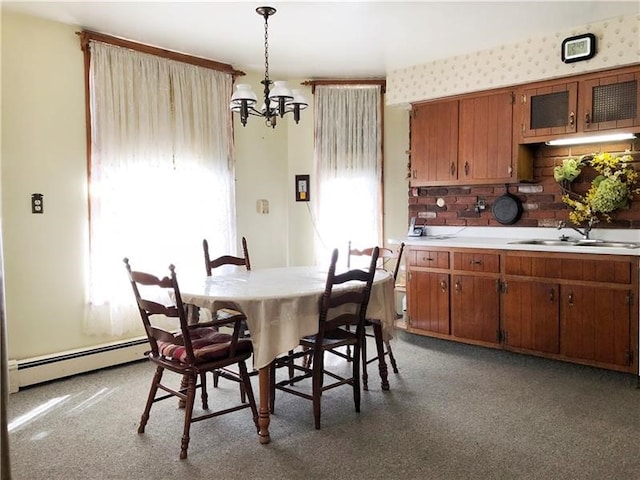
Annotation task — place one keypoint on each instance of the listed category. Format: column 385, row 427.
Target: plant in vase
column 612, row 188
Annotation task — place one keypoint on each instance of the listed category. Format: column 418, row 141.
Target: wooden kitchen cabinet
column 434, row 143
column 475, row 296
column 475, row 308
column 581, row 308
column 610, row 102
column 596, row 324
column 531, row 315
column 428, row 291
column 467, row 141
column 584, row 104
column 549, row 110
column 428, row 302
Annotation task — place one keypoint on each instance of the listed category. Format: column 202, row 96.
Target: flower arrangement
column 611, row 189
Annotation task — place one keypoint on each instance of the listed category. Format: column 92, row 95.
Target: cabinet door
column 595, row 324
column 550, row 110
column 428, row 298
column 475, row 308
column 531, row 315
column 434, row 142
column 610, row 102
column 486, row 134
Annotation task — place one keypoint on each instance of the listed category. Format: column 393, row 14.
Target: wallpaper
column 617, row 42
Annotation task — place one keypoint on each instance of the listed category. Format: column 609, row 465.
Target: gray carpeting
column 454, row 412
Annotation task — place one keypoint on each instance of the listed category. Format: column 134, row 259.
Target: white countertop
column 502, row 238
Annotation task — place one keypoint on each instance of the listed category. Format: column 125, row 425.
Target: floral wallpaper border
column 618, row 44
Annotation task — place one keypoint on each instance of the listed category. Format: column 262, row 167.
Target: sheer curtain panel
column 348, row 165
column 161, row 154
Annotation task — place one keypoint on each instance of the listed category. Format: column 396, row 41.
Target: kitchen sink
column 577, row 243
column 564, row 243
column 588, row 243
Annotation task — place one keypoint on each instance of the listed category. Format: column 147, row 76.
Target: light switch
column 262, row 206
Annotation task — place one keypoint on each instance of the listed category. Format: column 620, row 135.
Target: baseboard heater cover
column 51, row 367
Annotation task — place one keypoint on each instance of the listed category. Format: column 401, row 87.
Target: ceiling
column 316, row 40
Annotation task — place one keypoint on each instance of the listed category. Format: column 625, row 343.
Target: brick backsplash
column 541, row 199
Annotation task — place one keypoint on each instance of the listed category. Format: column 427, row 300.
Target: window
column 348, row 164
column 160, row 154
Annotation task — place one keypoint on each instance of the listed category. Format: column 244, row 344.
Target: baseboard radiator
column 32, row 371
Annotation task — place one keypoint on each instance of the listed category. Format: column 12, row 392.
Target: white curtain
column 348, row 166
column 161, row 175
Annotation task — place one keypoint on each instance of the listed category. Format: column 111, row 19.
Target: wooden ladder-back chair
column 190, row 350
column 210, row 266
column 339, row 308
column 385, row 255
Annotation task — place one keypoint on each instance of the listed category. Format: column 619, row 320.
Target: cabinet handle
column 572, row 119
column 587, row 119
column 443, row 285
column 427, row 259
column 571, row 299
column 458, row 286
column 466, row 169
column 452, row 169
column 475, row 262
column 502, row 287
column 552, row 294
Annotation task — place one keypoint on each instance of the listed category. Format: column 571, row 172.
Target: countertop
column 502, row 238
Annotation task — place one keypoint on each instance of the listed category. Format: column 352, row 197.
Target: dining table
column 282, row 305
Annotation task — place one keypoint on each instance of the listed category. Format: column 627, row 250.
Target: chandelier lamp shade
column 278, row 99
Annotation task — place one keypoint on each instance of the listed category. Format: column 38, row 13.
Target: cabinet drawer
column 428, row 258
column 476, row 262
column 588, row 270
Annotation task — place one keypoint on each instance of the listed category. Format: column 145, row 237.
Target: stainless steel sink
column 576, row 243
column 587, row 243
column 564, row 243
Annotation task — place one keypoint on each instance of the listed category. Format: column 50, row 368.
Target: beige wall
column 43, row 151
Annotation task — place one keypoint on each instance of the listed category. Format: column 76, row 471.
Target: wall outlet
column 37, row 203
column 262, row 206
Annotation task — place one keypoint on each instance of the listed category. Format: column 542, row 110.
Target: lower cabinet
column 581, row 308
column 531, row 316
column 595, row 324
column 475, row 308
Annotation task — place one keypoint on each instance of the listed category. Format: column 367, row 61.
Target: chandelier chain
column 266, row 47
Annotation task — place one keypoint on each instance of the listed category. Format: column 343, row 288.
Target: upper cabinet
column 468, row 140
column 586, row 104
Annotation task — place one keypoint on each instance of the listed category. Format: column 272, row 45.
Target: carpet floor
column 454, row 411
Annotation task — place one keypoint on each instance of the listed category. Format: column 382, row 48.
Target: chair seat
column 208, row 344
column 335, row 338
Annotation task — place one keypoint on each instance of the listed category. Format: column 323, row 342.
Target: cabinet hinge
column 513, row 98
column 629, row 357
column 501, row 336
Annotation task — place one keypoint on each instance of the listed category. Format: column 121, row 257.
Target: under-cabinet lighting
column 613, row 137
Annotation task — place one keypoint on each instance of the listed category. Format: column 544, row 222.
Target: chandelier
column 277, row 100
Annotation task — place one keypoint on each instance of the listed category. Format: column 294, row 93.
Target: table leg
column 382, row 364
column 263, row 409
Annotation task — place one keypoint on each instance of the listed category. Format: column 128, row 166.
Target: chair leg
column 246, row 382
column 204, row 396
column 392, row 359
column 188, row 412
column 157, row 377
column 317, row 380
column 365, row 375
column 356, row 376
column 216, row 378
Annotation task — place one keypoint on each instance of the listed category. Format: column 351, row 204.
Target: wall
column 43, row 151
column 618, row 43
column 541, row 200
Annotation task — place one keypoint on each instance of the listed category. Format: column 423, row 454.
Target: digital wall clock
column 578, row 48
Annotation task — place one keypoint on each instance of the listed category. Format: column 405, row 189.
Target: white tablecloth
column 281, row 304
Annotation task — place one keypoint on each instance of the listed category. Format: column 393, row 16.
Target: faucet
column 584, row 232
